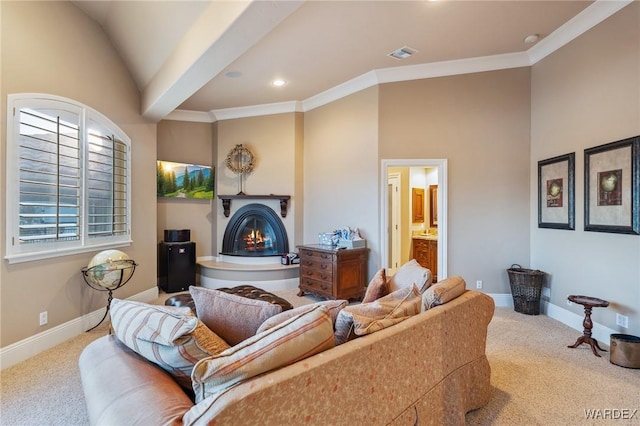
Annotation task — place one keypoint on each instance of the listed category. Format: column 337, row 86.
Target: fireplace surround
column 255, row 230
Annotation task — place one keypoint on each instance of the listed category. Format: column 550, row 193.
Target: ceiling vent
column 402, row 53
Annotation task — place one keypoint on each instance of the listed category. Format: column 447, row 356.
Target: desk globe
column 108, row 271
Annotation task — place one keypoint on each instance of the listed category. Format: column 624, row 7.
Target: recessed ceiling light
column 402, row 53
column 233, row 74
column 278, row 82
column 531, row 38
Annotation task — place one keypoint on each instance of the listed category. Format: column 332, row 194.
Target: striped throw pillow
column 173, row 338
column 334, row 306
column 297, row 338
column 367, row 318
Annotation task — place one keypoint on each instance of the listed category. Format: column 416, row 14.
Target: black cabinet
column 176, row 266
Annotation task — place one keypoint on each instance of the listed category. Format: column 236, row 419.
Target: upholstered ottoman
column 247, row 291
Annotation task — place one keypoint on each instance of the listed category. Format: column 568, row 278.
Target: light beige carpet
column 536, row 379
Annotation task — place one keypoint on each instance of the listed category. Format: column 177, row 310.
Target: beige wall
column 341, row 170
column 480, row 123
column 275, row 143
column 584, row 95
column 190, row 143
column 52, row 47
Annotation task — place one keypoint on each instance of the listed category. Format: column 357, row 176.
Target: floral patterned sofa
column 428, row 369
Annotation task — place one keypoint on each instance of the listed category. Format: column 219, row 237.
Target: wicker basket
column 526, row 286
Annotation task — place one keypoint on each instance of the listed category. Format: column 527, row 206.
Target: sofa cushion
column 367, row 318
column 170, row 337
column 334, row 306
column 232, row 317
column 377, row 288
column 408, row 274
column 297, row 338
column 443, row 292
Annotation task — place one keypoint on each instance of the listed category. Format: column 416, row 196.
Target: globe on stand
column 108, row 271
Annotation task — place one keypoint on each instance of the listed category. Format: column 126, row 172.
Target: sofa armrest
column 120, row 387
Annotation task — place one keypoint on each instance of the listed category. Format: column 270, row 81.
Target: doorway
column 389, row 244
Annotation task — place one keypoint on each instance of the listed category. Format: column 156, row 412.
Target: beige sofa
column 428, row 369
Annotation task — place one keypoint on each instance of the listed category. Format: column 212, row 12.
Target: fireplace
column 255, row 230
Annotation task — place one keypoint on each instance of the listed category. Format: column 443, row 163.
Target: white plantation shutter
column 71, row 169
column 49, row 182
column 107, row 170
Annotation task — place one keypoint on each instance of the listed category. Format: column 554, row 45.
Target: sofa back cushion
column 408, row 274
column 299, row 337
column 170, row 337
column 443, row 292
column 232, row 317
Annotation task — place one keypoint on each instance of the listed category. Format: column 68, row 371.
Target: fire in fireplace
column 255, row 230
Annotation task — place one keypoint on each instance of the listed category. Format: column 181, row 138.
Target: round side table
column 588, row 303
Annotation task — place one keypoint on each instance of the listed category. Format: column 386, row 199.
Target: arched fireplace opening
column 255, row 230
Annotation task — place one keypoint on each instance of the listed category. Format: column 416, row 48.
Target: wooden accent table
column 333, row 273
column 588, row 303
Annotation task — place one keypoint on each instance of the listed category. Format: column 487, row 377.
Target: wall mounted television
column 182, row 180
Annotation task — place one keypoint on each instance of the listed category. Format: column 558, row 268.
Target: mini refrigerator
column 176, row 266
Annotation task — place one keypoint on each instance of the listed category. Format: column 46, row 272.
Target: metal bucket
column 625, row 350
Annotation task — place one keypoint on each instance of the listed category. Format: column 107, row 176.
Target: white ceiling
column 178, row 52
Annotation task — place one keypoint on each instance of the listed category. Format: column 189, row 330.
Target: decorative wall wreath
column 240, row 160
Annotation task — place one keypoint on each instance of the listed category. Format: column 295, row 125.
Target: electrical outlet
column 622, row 320
column 546, row 292
column 479, row 284
column 44, row 318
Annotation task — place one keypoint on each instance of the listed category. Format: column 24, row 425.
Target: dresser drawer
column 315, row 256
column 321, row 273
column 318, row 287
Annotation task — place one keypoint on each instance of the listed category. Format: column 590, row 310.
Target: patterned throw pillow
column 297, row 338
column 334, row 306
column 411, row 273
column 168, row 336
column 232, row 317
column 367, row 318
column 377, row 288
column 443, row 292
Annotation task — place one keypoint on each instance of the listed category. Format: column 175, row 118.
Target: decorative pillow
column 377, row 288
column 334, row 306
column 443, row 292
column 367, row 318
column 410, row 273
column 232, row 317
column 170, row 337
column 297, row 338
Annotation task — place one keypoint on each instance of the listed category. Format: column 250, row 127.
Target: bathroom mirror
column 433, row 206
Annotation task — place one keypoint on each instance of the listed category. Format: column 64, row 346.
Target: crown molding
column 186, row 115
column 256, row 110
column 597, row 12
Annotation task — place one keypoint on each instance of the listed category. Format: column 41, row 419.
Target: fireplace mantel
column 226, row 201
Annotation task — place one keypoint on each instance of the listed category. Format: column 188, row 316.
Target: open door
column 393, row 228
column 388, row 223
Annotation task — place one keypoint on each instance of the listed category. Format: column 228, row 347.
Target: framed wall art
column 556, row 192
column 181, row 180
column 612, row 187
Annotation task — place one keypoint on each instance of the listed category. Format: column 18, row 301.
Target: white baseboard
column 599, row 332
column 24, row 349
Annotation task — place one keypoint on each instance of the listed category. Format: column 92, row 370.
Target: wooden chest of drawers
column 333, row 273
column 426, row 253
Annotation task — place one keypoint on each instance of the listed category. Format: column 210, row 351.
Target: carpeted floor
column 536, row 379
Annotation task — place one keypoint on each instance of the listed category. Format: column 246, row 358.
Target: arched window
column 68, row 179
